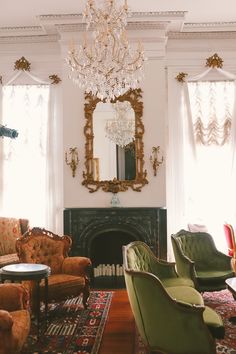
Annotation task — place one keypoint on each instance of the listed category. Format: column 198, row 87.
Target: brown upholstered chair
column 14, row 318
column 68, row 274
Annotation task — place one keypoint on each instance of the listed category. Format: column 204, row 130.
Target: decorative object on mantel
column 214, row 61
column 154, row 159
column 115, row 201
column 7, row 132
column 107, row 68
column 74, row 160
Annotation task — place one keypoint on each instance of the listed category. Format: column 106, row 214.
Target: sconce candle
column 154, row 159
column 74, row 160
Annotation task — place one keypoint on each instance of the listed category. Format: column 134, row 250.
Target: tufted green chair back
column 199, row 247
column 138, row 256
column 197, row 258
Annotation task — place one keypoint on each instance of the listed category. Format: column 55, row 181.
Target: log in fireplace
column 100, row 233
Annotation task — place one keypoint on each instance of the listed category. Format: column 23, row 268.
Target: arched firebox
column 100, row 233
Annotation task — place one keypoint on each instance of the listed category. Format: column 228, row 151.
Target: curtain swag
column 212, row 131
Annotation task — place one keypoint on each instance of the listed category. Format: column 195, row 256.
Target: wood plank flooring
column 118, row 336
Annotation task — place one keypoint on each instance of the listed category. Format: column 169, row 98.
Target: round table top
column 26, row 268
column 231, row 282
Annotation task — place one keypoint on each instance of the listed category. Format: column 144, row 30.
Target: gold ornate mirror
column 114, row 156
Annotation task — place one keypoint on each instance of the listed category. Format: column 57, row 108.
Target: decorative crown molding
column 202, row 35
column 29, row 39
column 209, row 26
column 170, row 22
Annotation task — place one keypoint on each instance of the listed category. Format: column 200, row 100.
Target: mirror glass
column 114, row 143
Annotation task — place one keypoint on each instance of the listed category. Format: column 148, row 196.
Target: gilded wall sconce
column 74, row 159
column 154, row 159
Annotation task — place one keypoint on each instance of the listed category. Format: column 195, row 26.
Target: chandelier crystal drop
column 121, row 129
column 107, row 67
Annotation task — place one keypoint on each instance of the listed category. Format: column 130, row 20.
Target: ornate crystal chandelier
column 121, row 129
column 107, row 67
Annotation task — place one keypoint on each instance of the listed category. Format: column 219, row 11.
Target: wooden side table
column 29, row 271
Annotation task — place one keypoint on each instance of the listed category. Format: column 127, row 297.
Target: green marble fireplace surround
column 100, row 233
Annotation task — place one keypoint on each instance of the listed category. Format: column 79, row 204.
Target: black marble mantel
column 85, row 225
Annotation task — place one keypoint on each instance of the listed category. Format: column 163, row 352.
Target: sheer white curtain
column 210, row 193
column 201, row 179
column 31, row 175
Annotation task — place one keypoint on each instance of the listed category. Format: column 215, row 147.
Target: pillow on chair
column 197, row 228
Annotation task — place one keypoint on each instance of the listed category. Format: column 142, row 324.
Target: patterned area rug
column 72, row 329
column 225, row 305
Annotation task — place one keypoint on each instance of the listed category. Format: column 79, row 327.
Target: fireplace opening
column 106, row 257
column 106, row 248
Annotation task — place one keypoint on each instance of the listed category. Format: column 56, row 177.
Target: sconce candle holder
column 154, row 159
column 74, row 160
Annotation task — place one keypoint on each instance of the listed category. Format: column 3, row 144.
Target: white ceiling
column 26, row 13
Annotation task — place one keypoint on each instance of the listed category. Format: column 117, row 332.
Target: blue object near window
column 10, row 133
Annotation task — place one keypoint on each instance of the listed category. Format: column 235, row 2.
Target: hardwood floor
column 118, row 336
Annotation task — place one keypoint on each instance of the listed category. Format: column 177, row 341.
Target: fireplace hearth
column 100, row 233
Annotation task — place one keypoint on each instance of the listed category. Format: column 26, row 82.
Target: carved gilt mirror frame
column 115, row 185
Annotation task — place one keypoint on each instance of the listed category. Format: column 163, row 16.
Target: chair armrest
column 6, row 320
column 163, row 269
column 222, row 261
column 186, row 269
column 76, row 266
column 13, row 297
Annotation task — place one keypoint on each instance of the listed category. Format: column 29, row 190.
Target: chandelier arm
column 135, row 61
column 119, row 15
column 94, row 13
column 114, row 44
column 82, row 67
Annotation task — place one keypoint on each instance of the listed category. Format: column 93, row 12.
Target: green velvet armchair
column 167, row 325
column 198, row 259
column 138, row 256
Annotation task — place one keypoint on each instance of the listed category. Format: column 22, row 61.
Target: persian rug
column 71, row 329
column 225, row 305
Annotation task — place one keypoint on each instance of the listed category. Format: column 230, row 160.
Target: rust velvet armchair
column 14, row 318
column 69, row 275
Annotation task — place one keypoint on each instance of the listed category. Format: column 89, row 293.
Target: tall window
column 210, row 193
column 24, row 183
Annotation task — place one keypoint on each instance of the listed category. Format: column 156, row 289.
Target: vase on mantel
column 115, row 201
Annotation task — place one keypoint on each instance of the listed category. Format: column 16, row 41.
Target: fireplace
column 100, row 233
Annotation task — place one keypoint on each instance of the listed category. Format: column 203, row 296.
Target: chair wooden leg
column 86, row 293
